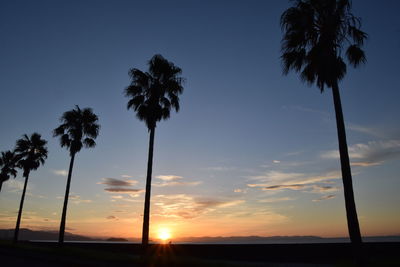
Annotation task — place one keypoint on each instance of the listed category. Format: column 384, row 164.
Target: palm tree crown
column 8, row 161
column 31, row 152
column 315, row 34
column 155, row 92
column 79, row 128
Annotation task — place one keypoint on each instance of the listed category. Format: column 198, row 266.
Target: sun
column 164, row 234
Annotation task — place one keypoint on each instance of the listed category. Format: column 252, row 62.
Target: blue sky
column 242, row 123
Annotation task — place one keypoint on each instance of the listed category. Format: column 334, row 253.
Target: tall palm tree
column 8, row 165
column 31, row 153
column 152, row 95
column 316, row 35
column 78, row 128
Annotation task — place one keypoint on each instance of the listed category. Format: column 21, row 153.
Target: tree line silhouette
column 316, row 35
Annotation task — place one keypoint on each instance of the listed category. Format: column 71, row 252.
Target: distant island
column 27, row 234
column 117, row 239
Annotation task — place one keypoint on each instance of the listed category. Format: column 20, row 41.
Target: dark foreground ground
column 34, row 254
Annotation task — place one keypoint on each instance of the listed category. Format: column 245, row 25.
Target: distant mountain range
column 27, row 234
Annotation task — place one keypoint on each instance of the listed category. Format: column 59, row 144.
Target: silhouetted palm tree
column 152, row 95
column 78, row 128
column 31, row 153
column 8, row 161
column 316, row 35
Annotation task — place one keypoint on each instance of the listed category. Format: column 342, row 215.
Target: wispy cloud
column 275, row 181
column 122, row 190
column 169, row 177
column 221, row 168
column 324, row 198
column 112, row 217
column 60, row 172
column 188, row 207
column 76, row 199
column 308, row 110
column 288, row 186
column 173, row 180
column 275, row 199
column 240, row 190
column 369, row 154
column 324, row 188
column 365, row 130
column 280, row 178
column 15, row 185
column 126, row 176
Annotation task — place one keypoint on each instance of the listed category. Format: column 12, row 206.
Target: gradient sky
column 243, row 126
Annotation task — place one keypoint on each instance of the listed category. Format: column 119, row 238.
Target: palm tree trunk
column 146, row 213
column 21, row 205
column 64, row 212
column 1, row 185
column 351, row 212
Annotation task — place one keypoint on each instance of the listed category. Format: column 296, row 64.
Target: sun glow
column 164, row 234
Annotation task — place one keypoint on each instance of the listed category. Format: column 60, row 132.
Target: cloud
column 369, row 154
column 324, row 188
column 76, row 199
column 173, row 180
column 239, row 190
column 122, row 190
column 120, row 186
column 60, row 172
column 220, row 168
column 289, row 186
column 275, row 181
column 276, row 199
column 308, row 110
column 117, row 182
column 176, row 184
column 276, row 161
column 169, row 177
column 15, row 185
column 38, row 196
column 277, row 178
column 365, row 130
column 188, row 207
column 324, row 198
column 112, row 217
column 126, row 176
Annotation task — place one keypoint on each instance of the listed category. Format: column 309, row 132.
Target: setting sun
column 164, row 234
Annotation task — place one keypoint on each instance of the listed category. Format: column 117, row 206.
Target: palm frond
column 77, row 124
column 31, row 152
column 355, row 55
column 89, row 142
column 314, row 34
column 152, row 94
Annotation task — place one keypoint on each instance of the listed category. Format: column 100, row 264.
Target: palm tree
column 8, row 161
column 152, row 95
column 316, row 33
column 31, row 153
column 78, row 128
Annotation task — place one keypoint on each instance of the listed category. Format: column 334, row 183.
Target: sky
column 251, row 152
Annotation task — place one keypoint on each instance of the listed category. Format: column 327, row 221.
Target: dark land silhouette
column 106, row 254
column 32, row 235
